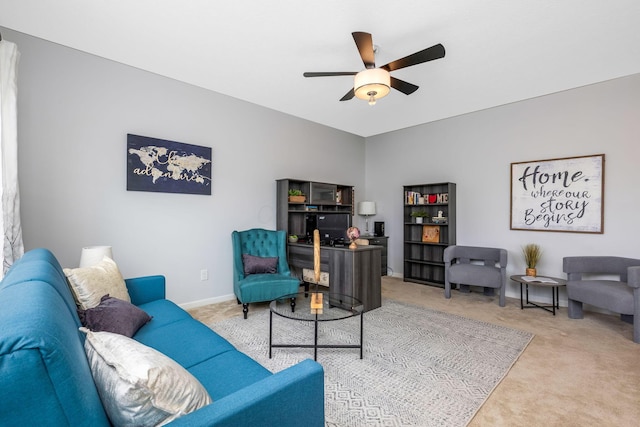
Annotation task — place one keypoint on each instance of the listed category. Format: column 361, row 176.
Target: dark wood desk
column 353, row 272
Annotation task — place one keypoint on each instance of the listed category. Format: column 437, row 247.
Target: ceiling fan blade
column 364, row 43
column 349, row 95
column 330, row 74
column 428, row 54
column 404, row 87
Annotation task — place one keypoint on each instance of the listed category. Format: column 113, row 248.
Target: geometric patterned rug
column 421, row 367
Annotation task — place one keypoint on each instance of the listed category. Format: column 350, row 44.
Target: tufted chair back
column 262, row 243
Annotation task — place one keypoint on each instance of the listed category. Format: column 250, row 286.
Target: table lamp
column 366, row 209
column 91, row 255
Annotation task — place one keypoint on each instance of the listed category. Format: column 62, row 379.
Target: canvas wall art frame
column 431, row 233
column 160, row 165
column 565, row 195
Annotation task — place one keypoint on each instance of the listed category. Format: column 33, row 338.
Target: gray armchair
column 619, row 296
column 477, row 266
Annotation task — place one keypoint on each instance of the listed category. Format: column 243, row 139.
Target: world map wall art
column 163, row 166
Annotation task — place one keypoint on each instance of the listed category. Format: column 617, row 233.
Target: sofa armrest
column 290, row 398
column 146, row 289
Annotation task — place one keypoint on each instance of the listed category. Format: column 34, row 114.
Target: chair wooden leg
column 245, row 309
column 293, row 305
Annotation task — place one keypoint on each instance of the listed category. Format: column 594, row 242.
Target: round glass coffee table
column 316, row 307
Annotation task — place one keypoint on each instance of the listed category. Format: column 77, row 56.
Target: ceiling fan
column 374, row 83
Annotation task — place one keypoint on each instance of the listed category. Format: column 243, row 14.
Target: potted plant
column 532, row 254
column 293, row 238
column 296, row 196
column 419, row 215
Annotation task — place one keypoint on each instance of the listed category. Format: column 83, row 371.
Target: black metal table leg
column 521, row 302
column 361, row 334
column 270, row 331
column 315, row 339
column 552, row 282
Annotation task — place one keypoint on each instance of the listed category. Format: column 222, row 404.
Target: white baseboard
column 208, row 301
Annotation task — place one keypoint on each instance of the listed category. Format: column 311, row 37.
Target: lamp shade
column 367, row 208
column 372, row 83
column 91, row 255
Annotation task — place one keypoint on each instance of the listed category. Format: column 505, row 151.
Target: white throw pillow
column 139, row 385
column 90, row 284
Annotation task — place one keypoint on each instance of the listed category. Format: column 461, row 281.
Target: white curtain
column 12, row 244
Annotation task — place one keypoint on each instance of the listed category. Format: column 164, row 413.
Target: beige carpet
column 573, row 373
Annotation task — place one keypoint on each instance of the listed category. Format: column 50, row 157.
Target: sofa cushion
column 90, row 284
column 114, row 315
column 139, row 385
column 163, row 312
column 259, row 265
column 183, row 341
column 42, row 266
column 228, row 372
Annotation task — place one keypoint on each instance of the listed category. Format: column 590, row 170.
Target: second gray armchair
column 619, row 294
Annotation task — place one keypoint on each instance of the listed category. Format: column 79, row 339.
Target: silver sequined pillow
column 139, row 385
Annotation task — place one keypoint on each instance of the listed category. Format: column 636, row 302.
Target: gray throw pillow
column 259, row 265
column 114, row 315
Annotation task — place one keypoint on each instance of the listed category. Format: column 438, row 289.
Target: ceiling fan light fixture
column 372, row 84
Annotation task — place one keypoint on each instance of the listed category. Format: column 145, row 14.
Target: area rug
column 421, row 367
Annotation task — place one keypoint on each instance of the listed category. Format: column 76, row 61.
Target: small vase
column 353, row 245
column 418, row 220
column 531, row 272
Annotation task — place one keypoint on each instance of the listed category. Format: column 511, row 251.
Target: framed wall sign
column 160, row 165
column 558, row 195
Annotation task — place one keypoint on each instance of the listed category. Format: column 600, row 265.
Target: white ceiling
column 497, row 51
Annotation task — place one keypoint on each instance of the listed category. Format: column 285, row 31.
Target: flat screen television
column 333, row 226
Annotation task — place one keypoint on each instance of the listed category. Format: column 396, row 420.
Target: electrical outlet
column 204, row 275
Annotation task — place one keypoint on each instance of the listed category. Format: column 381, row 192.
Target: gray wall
column 75, row 111
column 475, row 152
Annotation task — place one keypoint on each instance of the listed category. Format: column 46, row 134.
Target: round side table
column 544, row 281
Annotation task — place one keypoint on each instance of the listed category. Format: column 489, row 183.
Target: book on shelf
column 538, row 279
column 413, row 198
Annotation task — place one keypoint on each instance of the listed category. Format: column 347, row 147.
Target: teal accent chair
column 252, row 288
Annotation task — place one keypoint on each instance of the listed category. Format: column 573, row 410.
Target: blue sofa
column 45, row 378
